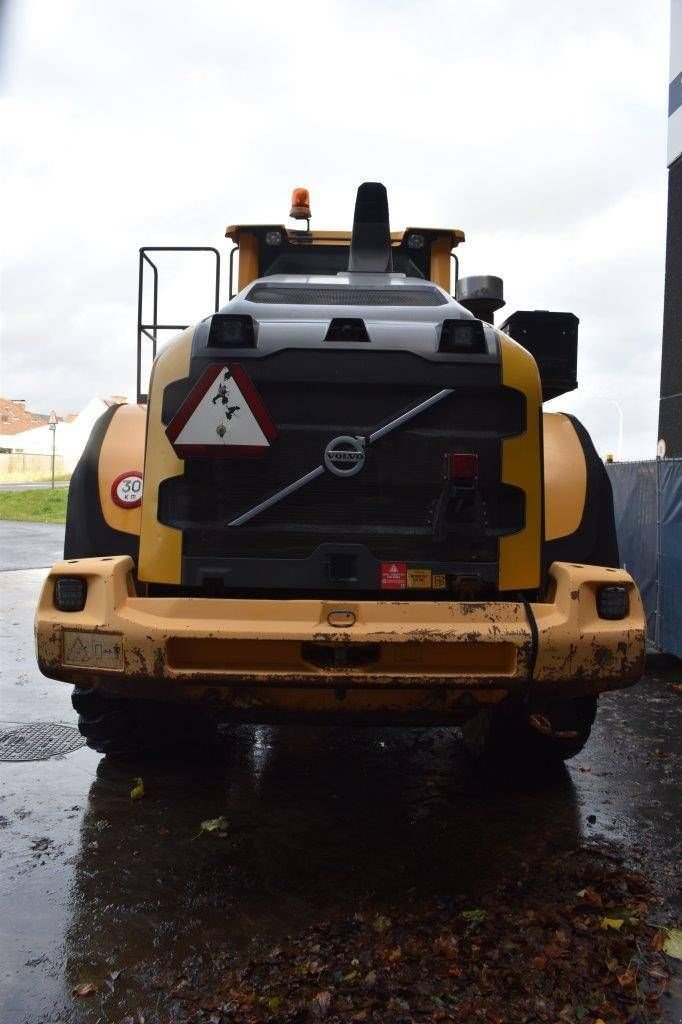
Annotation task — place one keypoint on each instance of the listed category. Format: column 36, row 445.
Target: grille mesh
column 297, row 295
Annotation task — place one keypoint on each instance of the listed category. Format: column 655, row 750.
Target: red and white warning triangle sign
column 222, row 415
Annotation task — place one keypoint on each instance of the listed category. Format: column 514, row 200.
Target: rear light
column 347, row 329
column 273, row 237
column 229, row 330
column 462, row 466
column 463, row 336
column 70, row 593
column 613, row 602
column 415, row 241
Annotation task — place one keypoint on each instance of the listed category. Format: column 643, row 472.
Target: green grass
column 39, row 506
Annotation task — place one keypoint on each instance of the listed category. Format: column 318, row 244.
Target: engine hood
column 294, row 310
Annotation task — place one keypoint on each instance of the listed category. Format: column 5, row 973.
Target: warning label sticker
column 439, row 581
column 419, row 579
column 222, row 415
column 92, row 650
column 393, row 575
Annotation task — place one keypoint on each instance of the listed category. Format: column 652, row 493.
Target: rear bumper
column 415, row 658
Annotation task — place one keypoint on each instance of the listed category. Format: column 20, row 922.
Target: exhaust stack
column 370, row 247
column 482, row 295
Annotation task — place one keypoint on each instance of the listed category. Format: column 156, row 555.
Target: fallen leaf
column 627, row 979
column 616, row 923
column 542, row 724
column 273, row 1004
column 446, row 946
column 590, row 897
column 321, row 1003
column 677, row 687
column 473, row 916
column 219, row 825
column 673, row 943
column 381, row 923
column 86, row 989
column 164, row 831
column 137, row 792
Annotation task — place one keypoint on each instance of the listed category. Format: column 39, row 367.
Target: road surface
column 98, row 889
column 33, row 487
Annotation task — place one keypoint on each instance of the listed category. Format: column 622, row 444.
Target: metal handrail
column 150, row 330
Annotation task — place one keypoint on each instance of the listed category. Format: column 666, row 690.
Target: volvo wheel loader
column 340, row 501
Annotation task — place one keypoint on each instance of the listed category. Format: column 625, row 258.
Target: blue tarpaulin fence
column 647, row 498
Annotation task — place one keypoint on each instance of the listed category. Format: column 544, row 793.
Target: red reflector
column 463, row 466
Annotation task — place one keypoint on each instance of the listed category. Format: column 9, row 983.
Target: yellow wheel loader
column 340, row 501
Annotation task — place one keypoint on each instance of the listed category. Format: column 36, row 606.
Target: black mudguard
column 88, row 535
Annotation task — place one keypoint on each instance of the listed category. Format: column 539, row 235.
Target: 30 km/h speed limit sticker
column 126, row 490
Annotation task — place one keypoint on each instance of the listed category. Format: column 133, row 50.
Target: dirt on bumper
column 296, row 657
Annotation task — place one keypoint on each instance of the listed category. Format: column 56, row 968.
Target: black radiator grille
column 389, row 506
column 310, row 295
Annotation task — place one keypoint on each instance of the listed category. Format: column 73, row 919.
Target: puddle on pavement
column 318, row 820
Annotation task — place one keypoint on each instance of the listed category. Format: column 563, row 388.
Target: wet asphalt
column 95, row 887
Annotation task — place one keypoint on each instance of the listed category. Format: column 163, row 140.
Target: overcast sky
column 537, row 126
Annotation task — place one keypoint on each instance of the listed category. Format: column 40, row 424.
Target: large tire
column 508, row 738
column 120, row 727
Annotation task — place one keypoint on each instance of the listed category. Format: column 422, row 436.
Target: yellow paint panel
column 122, row 451
column 520, row 552
column 161, row 546
column 440, row 261
column 235, row 232
column 248, row 259
column 565, row 476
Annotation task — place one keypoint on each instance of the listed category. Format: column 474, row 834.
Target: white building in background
column 70, row 435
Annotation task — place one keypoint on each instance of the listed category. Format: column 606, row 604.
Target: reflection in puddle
column 318, row 821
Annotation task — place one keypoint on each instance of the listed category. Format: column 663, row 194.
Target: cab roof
column 340, row 237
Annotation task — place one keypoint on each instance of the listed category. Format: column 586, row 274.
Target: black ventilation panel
column 552, row 340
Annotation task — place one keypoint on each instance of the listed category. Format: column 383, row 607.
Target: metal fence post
column 657, row 618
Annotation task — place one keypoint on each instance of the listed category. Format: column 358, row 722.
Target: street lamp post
column 53, row 428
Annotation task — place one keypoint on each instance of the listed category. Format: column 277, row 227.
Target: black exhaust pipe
column 370, row 247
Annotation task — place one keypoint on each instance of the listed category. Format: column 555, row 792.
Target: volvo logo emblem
column 345, row 456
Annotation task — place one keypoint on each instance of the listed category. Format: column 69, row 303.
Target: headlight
column 70, row 593
column 613, row 602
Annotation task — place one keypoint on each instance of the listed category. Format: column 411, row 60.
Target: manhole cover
column 36, row 741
